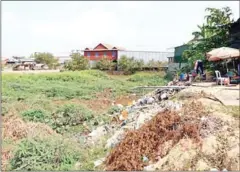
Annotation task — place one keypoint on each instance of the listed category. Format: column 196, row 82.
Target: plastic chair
column 219, row 78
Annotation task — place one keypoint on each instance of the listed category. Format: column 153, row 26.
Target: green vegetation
column 45, row 58
column 61, row 101
column 129, row 65
column 78, row 62
column 34, row 115
column 44, row 154
column 212, row 34
column 105, row 64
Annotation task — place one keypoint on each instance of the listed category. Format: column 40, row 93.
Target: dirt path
column 226, row 96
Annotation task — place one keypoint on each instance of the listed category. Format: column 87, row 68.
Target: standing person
column 199, row 67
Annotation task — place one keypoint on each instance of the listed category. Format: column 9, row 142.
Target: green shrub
column 148, row 79
column 78, row 62
column 169, row 76
column 129, row 65
column 34, row 115
column 105, row 64
column 44, row 154
column 69, row 115
column 114, row 109
column 46, row 58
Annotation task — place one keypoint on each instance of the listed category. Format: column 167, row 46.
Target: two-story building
column 102, row 50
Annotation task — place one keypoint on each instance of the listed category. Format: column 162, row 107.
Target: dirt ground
column 102, row 102
column 228, row 96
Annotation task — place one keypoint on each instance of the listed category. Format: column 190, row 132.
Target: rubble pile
column 179, row 83
column 135, row 115
column 145, row 144
column 210, row 125
column 151, row 133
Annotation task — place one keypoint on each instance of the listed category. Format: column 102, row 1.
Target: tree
column 213, row 33
column 45, row 58
column 78, row 62
column 105, row 64
column 130, row 65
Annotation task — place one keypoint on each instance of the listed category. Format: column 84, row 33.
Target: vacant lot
column 45, row 116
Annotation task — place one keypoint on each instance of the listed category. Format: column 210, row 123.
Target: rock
column 99, row 162
column 115, row 139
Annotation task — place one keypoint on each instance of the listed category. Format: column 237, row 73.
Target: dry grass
column 15, row 129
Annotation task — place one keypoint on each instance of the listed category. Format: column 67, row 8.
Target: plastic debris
column 99, row 162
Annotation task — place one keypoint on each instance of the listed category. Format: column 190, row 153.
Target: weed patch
column 69, row 115
column 34, row 115
column 44, row 154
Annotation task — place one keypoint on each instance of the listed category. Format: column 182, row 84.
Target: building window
column 96, row 54
column 114, row 54
column 105, row 54
column 88, row 54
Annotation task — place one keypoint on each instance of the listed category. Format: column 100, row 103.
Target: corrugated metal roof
column 108, row 46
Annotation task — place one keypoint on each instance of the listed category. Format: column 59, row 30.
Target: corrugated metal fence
column 146, row 56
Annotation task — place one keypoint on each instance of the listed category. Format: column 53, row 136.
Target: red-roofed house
column 102, row 50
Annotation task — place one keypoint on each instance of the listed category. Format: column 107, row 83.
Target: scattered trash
column 124, row 123
column 150, row 100
column 99, row 162
column 115, row 139
column 147, row 140
column 145, row 159
column 164, row 96
column 96, row 134
column 124, row 115
column 120, row 106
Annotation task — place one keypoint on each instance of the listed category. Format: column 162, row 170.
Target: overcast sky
column 59, row 27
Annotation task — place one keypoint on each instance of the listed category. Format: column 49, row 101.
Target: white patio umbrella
column 223, row 53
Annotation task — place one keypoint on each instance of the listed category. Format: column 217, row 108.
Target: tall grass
column 33, row 97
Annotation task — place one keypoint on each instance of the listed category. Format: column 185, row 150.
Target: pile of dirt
column 179, row 83
column 188, row 135
column 147, row 142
